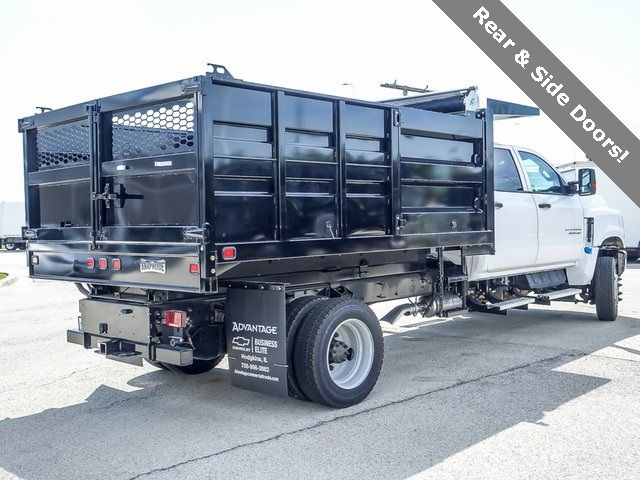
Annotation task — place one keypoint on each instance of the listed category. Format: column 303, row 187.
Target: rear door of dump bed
column 150, row 164
column 118, row 179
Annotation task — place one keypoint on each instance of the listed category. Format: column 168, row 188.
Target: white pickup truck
column 550, row 233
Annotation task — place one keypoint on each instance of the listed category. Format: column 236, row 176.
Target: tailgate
column 113, row 190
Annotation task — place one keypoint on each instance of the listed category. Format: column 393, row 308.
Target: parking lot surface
column 543, row 394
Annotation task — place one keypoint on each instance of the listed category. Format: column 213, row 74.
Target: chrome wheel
column 350, row 354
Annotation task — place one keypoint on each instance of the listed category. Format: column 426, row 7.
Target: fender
column 608, row 231
column 607, row 222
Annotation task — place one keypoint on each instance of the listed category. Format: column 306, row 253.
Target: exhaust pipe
column 449, row 301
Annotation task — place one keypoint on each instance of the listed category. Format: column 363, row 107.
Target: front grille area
column 154, row 130
column 63, row 145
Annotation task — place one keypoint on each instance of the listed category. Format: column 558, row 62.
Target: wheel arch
column 614, row 247
column 613, row 241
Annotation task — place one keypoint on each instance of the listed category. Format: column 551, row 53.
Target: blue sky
column 64, row 52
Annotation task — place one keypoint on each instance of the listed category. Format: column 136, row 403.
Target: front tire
column 606, row 289
column 339, row 352
column 10, row 246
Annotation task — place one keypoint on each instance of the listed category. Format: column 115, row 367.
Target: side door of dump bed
column 291, row 168
column 446, row 177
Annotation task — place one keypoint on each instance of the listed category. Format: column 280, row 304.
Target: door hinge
column 477, row 160
column 93, row 111
column 401, row 222
column 396, row 118
column 191, row 85
column 23, row 124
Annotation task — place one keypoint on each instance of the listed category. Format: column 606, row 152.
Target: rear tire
column 338, row 352
column 197, row 367
column 10, row 246
column 606, row 289
column 297, row 311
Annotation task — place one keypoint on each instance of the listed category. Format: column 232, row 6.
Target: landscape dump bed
column 172, row 198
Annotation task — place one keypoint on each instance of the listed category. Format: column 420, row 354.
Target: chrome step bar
column 543, row 299
column 511, row 303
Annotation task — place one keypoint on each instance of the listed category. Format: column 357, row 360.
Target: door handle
column 544, row 205
column 499, row 205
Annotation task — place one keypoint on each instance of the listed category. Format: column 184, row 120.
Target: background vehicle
column 616, row 198
column 11, row 223
column 212, row 216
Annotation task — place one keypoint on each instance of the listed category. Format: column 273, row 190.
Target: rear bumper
column 129, row 352
column 56, row 261
column 124, row 332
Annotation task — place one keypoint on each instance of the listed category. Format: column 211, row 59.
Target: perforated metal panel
column 154, row 130
column 63, row 145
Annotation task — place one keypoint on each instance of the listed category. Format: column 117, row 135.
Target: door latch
column 109, row 195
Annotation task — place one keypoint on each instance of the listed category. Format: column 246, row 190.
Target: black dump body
column 302, row 185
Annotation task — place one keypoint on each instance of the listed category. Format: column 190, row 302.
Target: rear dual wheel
column 338, row 351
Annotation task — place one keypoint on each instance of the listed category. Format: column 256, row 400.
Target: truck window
column 542, row 177
column 506, row 176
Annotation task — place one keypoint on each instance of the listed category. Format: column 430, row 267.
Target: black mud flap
column 257, row 338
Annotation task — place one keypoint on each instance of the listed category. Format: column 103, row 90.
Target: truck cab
column 544, row 223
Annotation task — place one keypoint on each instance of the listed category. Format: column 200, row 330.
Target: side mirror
column 586, row 181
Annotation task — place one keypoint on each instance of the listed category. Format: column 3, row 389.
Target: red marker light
column 103, row 263
column 91, row 262
column 35, row 260
column 229, row 253
column 175, row 318
column 194, row 268
column 116, row 264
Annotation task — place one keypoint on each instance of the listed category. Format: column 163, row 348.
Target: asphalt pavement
column 540, row 394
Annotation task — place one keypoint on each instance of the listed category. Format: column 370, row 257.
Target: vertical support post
column 465, row 283
column 340, row 157
column 280, row 172
column 93, row 117
column 394, row 128
column 487, row 152
column 440, row 285
column 31, row 195
column 203, row 99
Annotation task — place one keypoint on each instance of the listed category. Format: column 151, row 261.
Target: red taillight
column 228, row 253
column 175, row 318
column 116, row 264
column 103, row 263
column 35, row 260
column 91, row 262
column 194, row 268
